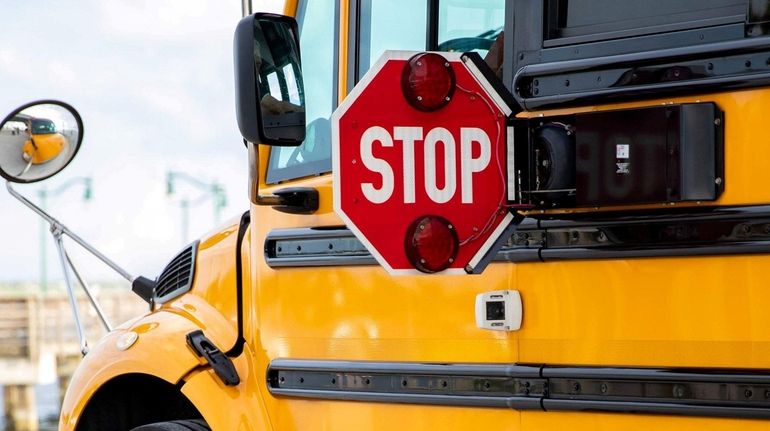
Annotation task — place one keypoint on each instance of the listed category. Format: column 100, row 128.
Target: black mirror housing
column 269, row 91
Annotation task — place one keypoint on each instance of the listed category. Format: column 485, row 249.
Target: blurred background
column 161, row 164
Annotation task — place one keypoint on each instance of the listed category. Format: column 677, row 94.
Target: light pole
column 212, row 190
column 43, row 195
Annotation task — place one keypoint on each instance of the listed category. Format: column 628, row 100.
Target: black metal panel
column 700, row 36
column 658, row 154
column 700, row 152
column 580, row 21
column 601, row 177
column 719, row 66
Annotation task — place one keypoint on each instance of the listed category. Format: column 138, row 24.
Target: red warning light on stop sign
column 394, row 164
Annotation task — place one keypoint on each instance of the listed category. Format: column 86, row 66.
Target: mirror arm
column 55, row 224
column 87, row 289
column 254, row 196
column 71, row 293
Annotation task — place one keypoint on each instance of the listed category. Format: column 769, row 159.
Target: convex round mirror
column 38, row 140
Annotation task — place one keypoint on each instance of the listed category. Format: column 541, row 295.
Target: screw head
column 678, row 391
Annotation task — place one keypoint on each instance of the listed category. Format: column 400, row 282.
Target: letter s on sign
column 373, row 194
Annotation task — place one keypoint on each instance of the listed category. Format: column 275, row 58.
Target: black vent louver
column 177, row 277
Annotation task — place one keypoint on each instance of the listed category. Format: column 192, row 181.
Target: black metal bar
column 660, row 374
column 695, row 231
column 680, row 391
column 431, row 41
column 518, row 403
column 719, row 84
column 353, row 41
column 646, row 57
column 654, row 407
column 533, row 98
column 508, row 41
column 240, row 341
column 488, row 370
column 336, row 65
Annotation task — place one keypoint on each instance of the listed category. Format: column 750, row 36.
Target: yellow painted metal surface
column 230, row 407
column 690, row 312
column 678, row 311
column 161, row 349
column 586, row 421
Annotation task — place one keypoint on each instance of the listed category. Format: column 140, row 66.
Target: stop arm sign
column 394, row 164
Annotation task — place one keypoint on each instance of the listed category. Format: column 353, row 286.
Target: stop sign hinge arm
column 502, row 239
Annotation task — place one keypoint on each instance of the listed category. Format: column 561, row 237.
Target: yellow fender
column 154, row 348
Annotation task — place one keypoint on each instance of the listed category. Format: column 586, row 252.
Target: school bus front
column 523, row 215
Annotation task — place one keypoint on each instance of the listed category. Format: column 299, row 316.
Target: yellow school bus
column 635, row 259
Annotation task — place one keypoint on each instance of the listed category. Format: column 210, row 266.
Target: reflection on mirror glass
column 280, row 89
column 38, row 141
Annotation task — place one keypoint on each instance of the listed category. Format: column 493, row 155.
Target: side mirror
column 270, row 96
column 38, row 140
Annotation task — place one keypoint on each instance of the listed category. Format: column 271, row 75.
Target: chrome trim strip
column 315, row 247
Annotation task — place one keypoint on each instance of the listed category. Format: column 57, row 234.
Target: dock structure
column 39, row 344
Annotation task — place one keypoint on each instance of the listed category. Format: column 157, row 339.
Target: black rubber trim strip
column 237, row 348
column 656, row 408
column 645, row 57
column 338, row 246
column 431, row 41
column 486, row 370
column 679, row 391
column 517, row 403
column 657, row 374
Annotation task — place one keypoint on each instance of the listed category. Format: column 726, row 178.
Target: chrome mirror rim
column 64, row 105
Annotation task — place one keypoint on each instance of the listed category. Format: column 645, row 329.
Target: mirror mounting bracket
column 293, row 200
column 58, row 231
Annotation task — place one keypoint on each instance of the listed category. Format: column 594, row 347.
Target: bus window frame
column 354, row 38
column 431, row 38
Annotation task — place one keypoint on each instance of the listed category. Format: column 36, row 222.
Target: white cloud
column 153, row 82
column 166, row 20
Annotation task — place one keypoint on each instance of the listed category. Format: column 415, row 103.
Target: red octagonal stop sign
column 393, row 163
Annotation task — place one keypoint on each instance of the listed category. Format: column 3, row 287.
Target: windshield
column 42, row 126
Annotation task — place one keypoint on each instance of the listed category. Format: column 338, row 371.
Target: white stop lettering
column 439, row 136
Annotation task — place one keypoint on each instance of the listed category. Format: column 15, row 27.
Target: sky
column 153, row 82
